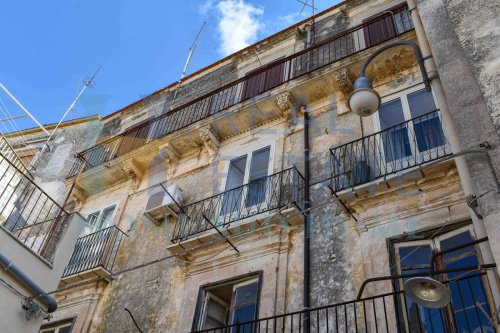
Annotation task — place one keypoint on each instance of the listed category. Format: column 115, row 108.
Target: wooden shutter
column 379, row 30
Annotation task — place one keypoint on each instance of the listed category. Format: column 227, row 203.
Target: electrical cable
column 133, row 319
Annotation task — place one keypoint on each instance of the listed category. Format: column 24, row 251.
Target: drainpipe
column 307, row 220
column 26, row 281
column 453, row 139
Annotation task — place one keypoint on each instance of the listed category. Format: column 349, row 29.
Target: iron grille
column 27, row 212
column 403, row 146
column 258, row 196
column 98, row 249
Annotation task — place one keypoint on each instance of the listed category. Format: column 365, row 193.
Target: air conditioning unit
column 161, row 205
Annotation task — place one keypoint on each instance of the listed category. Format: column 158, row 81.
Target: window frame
column 99, row 214
column 56, row 325
column 198, row 312
column 249, row 156
column 402, row 96
column 433, row 237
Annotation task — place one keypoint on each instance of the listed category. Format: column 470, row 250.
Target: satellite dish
column 427, row 292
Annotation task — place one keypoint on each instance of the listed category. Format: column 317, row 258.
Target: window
column 229, row 303
column 61, row 327
column 469, row 309
column 252, row 169
column 99, row 220
column 402, row 138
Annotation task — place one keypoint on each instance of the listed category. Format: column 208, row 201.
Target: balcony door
column 246, row 185
column 410, row 130
column 99, row 220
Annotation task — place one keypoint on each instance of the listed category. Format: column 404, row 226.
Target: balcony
column 243, row 207
column 93, row 255
column 408, row 145
column 27, row 213
column 469, row 311
column 298, row 73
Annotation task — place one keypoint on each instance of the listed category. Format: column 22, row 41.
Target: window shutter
column 379, row 31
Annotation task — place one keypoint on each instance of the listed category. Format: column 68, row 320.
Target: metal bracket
column 472, row 203
column 220, row 232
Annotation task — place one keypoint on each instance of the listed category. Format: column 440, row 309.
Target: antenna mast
column 188, row 60
column 87, row 83
column 46, row 146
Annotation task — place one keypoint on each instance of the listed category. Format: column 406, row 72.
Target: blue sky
column 50, row 47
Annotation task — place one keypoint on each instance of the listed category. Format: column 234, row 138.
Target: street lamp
column 364, row 101
column 427, row 292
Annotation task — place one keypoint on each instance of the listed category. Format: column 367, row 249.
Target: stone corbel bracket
column 345, row 83
column 286, row 103
column 134, row 171
column 170, row 155
column 79, row 196
column 210, row 141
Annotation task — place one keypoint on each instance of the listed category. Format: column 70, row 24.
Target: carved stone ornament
column 78, row 195
column 286, row 103
column 210, row 141
column 343, row 80
column 134, row 172
column 171, row 157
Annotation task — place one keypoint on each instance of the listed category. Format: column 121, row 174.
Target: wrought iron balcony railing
column 262, row 195
column 27, row 212
column 468, row 311
column 361, row 37
column 403, row 146
column 98, row 249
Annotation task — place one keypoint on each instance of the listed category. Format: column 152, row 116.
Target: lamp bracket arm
column 418, row 55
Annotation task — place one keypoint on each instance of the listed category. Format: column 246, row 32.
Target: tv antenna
column 188, row 60
column 46, row 147
column 306, row 4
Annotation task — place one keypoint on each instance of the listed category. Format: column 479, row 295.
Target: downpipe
column 307, row 221
column 27, row 282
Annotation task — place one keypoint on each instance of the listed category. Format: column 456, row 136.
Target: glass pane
column 395, row 138
column 390, row 114
column 106, row 217
column 244, row 314
column 421, row 102
column 428, row 130
column 415, row 255
column 257, row 178
column 468, row 295
column 66, row 329
column 235, row 177
column 246, row 294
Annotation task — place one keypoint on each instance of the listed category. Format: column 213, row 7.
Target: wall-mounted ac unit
column 161, row 205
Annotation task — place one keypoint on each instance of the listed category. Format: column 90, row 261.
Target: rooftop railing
column 406, row 145
column 27, row 212
column 98, row 249
column 361, row 37
column 262, row 195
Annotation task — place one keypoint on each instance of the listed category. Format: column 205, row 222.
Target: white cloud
column 239, row 24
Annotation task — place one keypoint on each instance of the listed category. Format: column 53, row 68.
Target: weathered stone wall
column 458, row 59
column 476, row 25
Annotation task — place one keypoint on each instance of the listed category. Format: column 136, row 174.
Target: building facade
column 250, row 198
